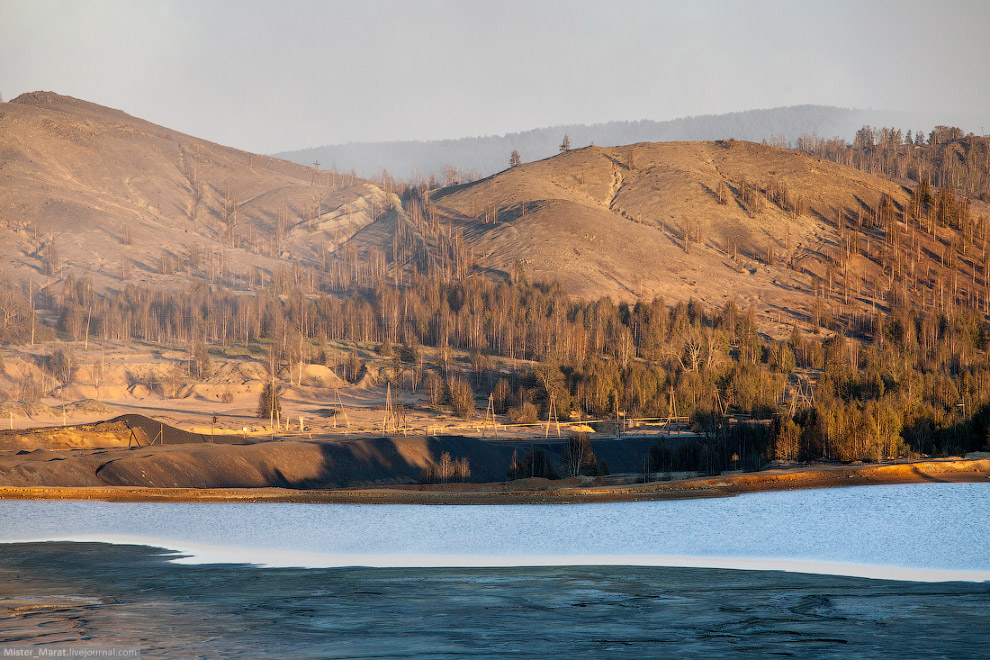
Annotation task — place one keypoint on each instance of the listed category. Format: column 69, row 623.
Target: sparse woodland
column 945, row 158
column 912, row 377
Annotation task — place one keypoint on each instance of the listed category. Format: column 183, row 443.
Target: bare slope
column 646, row 219
column 117, row 196
column 90, row 191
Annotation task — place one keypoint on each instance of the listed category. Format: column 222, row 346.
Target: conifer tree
column 269, row 403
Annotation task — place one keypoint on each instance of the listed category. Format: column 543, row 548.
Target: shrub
column 460, row 397
column 202, row 365
column 525, row 413
column 447, row 469
column 786, row 440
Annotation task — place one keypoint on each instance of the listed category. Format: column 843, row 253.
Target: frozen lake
column 925, row 532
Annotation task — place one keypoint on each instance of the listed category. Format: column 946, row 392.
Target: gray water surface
column 925, row 527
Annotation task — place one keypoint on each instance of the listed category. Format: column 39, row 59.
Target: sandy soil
column 114, row 379
column 79, row 174
column 613, row 221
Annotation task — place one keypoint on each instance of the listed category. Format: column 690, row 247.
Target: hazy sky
column 270, row 76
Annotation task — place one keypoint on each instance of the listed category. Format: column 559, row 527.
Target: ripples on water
column 935, row 531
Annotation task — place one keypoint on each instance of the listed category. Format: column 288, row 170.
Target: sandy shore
column 541, row 491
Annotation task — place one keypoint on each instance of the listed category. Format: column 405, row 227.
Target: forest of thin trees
column 919, row 384
column 908, row 377
column 945, row 157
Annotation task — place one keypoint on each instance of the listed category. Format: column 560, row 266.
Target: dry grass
column 112, row 192
column 116, row 195
column 643, row 220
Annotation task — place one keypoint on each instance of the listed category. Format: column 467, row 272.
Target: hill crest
column 94, row 191
column 484, row 155
column 772, row 228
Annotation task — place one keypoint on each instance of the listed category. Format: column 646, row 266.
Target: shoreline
column 976, row 470
column 185, row 553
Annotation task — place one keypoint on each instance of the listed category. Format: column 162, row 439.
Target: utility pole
column 389, row 421
column 490, row 415
column 552, row 418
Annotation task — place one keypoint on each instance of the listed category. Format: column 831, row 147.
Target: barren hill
column 709, row 220
column 92, row 191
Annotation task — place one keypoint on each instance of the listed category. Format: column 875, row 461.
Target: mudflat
column 93, row 594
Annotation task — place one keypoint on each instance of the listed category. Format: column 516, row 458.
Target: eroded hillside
column 770, row 227
column 90, row 192
column 94, row 192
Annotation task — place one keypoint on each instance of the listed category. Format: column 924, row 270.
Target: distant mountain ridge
column 489, row 154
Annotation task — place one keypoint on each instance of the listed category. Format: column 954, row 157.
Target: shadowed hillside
column 130, row 451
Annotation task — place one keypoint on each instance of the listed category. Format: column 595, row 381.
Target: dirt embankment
column 83, row 436
column 123, row 431
column 300, row 464
column 542, row 491
column 138, row 451
column 134, row 457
